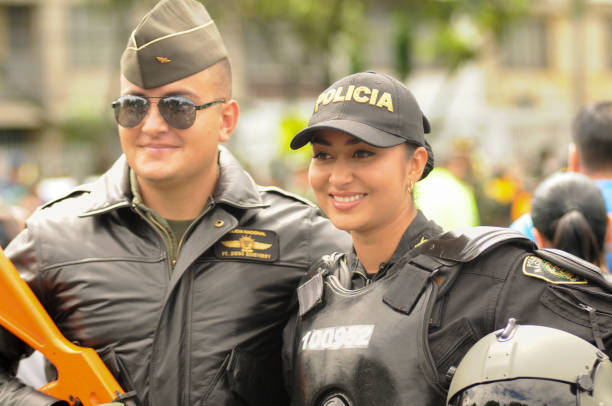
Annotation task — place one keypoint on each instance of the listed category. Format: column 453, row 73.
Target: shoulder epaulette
column 79, row 190
column 279, row 191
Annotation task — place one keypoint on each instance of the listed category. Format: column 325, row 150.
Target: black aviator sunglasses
column 178, row 111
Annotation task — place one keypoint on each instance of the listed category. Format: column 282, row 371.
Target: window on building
column 20, row 27
column 524, row 45
column 91, row 36
column 19, row 64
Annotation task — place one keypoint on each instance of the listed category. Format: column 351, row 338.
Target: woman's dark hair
column 569, row 210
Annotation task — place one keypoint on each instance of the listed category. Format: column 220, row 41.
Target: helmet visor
column 517, row 392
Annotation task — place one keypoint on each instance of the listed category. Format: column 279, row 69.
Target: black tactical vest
column 359, row 347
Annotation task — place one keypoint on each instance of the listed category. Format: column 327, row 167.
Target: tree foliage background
column 450, row 32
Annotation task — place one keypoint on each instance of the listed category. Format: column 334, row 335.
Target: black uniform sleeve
column 495, row 287
column 542, row 293
column 13, row 392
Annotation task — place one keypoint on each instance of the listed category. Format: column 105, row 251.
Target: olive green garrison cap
column 176, row 39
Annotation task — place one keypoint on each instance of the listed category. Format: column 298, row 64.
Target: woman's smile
column 347, row 201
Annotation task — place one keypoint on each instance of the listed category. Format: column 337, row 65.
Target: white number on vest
column 334, row 338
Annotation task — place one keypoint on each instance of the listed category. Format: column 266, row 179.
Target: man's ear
column 229, row 119
column 573, row 160
column 540, row 239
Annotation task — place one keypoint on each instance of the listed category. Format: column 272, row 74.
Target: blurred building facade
column 548, row 66
column 518, row 99
column 59, row 69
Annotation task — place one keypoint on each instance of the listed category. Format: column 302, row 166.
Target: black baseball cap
column 373, row 107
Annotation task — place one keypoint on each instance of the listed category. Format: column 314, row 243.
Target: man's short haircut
column 592, row 134
column 224, row 71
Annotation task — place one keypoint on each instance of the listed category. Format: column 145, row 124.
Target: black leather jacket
column 207, row 332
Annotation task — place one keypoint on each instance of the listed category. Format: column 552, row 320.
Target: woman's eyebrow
column 319, row 140
column 323, row 141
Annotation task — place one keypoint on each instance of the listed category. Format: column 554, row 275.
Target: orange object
column 81, row 373
column 521, row 205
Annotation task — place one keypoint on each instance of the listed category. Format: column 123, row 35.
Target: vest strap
column 310, row 294
column 406, row 290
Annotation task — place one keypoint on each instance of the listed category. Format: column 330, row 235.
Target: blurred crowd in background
column 494, row 195
column 500, row 82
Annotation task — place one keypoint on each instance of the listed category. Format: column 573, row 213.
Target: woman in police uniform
column 388, row 322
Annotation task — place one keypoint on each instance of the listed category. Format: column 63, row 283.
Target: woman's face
column 360, row 187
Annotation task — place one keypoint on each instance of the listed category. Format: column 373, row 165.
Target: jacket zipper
column 168, row 242
column 206, row 210
column 158, row 230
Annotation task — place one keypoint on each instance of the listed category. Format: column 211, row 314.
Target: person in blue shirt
column 590, row 153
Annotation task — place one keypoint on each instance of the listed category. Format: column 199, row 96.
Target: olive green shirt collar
column 113, row 190
column 138, row 202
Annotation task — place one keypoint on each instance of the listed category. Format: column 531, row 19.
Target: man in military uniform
column 174, row 265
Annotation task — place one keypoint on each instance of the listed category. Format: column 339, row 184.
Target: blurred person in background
column 590, row 153
column 10, row 224
column 174, row 265
column 445, row 196
column 569, row 213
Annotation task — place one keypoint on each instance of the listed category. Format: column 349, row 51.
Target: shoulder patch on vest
column 537, row 267
column 251, row 244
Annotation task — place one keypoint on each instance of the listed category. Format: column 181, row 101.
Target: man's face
column 165, row 157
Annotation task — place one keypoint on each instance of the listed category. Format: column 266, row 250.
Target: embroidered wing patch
column 537, row 267
column 242, row 243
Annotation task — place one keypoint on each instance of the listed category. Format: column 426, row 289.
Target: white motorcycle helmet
column 532, row 366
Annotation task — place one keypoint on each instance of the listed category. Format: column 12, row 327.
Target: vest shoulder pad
column 466, row 244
